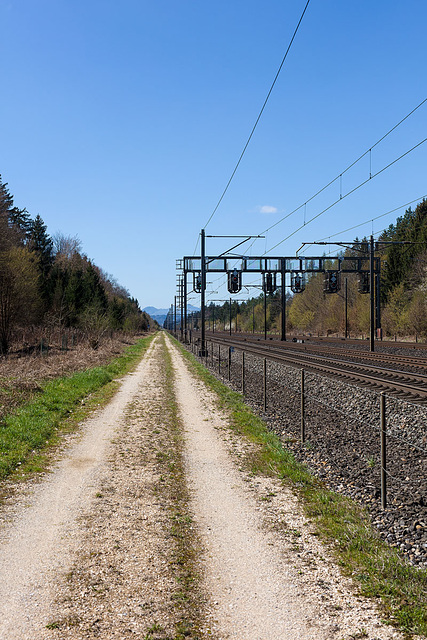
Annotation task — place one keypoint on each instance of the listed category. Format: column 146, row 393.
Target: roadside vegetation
column 64, row 325
column 50, row 289
column 53, row 407
column 341, row 524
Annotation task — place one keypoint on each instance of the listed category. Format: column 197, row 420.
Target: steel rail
column 419, row 362
column 421, row 346
column 402, row 384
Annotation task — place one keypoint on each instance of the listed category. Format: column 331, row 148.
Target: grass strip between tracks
column 341, row 523
column 29, row 432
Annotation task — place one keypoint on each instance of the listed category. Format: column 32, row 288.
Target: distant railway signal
column 297, row 282
column 234, row 281
column 332, row 282
column 364, row 282
column 269, row 283
column 197, row 282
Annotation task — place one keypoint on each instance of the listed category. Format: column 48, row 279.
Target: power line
column 382, row 215
column 371, row 177
column 197, row 244
column 259, row 116
column 350, row 166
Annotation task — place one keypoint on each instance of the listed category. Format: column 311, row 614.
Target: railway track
column 395, row 381
column 319, row 340
column 416, row 362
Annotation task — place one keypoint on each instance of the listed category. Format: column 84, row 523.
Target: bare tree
column 66, row 249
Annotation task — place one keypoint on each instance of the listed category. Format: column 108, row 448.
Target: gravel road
column 39, row 534
column 85, row 552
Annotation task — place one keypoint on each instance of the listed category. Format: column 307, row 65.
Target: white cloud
column 268, row 209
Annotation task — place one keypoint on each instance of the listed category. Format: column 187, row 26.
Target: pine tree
column 6, row 199
column 41, row 243
column 21, row 219
column 8, row 235
column 401, row 259
column 15, row 223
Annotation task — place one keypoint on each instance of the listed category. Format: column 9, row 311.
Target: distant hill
column 159, row 315
column 153, row 312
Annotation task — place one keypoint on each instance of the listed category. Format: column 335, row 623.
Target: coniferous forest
column 47, row 282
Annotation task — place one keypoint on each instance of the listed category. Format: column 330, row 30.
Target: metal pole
column 202, row 293
column 185, row 307
column 181, row 318
column 265, row 384
column 346, row 309
column 229, row 363
column 253, row 317
column 243, row 372
column 383, row 452
column 213, row 319
column 265, row 315
column 378, row 306
column 283, row 336
column 372, row 294
column 219, row 359
column 174, row 318
column 230, row 317
column 302, row 407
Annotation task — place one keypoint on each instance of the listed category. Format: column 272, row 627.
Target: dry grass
column 21, row 374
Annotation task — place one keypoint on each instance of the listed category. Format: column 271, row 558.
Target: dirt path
column 41, row 540
column 266, row 574
column 91, row 552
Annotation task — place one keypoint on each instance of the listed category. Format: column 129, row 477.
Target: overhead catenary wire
column 339, row 176
column 350, row 166
column 382, row 215
column 347, row 194
column 376, row 233
column 259, row 115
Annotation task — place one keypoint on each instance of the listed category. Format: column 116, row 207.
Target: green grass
column 341, row 523
column 188, row 598
column 28, row 432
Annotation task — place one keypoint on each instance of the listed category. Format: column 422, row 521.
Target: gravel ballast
column 342, row 441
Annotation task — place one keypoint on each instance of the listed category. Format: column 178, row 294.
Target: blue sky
column 121, row 122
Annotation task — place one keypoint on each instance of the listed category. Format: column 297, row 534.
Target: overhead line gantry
column 269, row 267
